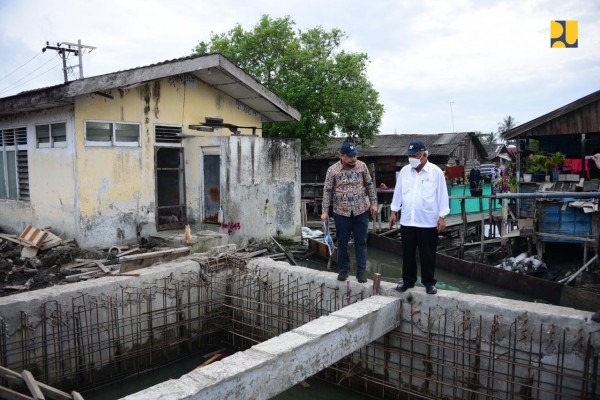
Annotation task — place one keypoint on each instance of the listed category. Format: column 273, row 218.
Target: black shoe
column 361, row 276
column 596, row 316
column 430, row 289
column 342, row 276
column 403, row 287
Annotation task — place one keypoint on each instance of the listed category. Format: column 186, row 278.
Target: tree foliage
column 308, row 70
column 507, row 124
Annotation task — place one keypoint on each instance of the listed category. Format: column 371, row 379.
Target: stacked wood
column 34, row 240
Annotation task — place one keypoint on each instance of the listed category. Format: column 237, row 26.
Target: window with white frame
column 101, row 133
column 51, row 135
column 14, row 164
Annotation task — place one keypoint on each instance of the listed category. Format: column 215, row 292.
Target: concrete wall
column 546, row 343
column 52, row 178
column 261, row 195
column 101, row 196
column 117, row 184
column 556, row 341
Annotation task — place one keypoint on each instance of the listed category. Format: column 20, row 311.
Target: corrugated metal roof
column 395, row 145
column 215, row 70
column 590, row 123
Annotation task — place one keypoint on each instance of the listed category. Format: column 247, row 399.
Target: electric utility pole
column 452, row 116
column 64, row 48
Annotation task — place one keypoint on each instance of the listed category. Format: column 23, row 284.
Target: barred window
column 14, row 164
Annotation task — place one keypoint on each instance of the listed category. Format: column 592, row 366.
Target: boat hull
column 543, row 289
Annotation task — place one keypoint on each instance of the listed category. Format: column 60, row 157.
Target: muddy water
column 390, row 267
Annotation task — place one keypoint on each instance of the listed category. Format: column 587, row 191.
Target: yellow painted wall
column 116, row 185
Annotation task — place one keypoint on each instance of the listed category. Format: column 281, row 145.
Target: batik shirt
column 350, row 190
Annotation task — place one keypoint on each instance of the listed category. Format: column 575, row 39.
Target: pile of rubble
column 38, row 258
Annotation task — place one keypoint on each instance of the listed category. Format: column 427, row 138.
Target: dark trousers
column 358, row 225
column 426, row 239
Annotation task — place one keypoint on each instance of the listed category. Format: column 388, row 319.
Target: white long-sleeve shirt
column 422, row 197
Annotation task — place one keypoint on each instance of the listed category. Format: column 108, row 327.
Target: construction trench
column 374, row 340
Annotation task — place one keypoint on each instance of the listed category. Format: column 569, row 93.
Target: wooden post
column 491, row 217
column 463, row 232
column 376, row 282
column 463, row 212
column 482, row 237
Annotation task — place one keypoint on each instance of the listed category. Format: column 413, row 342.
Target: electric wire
column 21, row 81
column 18, row 68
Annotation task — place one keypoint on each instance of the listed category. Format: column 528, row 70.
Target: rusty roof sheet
column 395, row 145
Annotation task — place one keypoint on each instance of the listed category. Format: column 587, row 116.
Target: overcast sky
column 439, row 66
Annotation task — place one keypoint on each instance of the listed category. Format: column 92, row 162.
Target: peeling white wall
column 52, row 178
column 261, row 196
column 102, row 195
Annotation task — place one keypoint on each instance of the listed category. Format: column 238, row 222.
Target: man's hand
column 373, row 210
column 325, row 216
column 596, row 158
column 393, row 216
column 441, row 225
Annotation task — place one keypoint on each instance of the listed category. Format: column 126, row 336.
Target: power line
column 20, row 82
column 18, row 68
column 452, row 116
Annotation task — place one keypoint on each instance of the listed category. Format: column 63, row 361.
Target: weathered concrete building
column 111, row 158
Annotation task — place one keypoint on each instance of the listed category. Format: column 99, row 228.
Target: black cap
column 415, row 147
column 349, row 149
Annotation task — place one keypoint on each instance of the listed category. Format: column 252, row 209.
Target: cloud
column 490, row 58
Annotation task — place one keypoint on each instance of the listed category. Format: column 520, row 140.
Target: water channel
column 387, row 264
column 390, row 267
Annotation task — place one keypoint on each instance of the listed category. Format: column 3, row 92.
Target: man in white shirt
column 421, row 195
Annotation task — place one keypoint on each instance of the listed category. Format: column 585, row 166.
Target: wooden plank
column 32, row 385
column 211, row 360
column 572, row 276
column 253, row 254
column 11, row 238
column 137, row 261
column 9, row 394
column 33, row 236
column 76, row 395
column 74, row 265
column 287, row 254
column 103, row 267
column 575, row 238
column 128, row 252
column 49, row 390
column 9, row 373
column 29, row 251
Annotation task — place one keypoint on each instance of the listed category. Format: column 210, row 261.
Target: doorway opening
column 170, row 188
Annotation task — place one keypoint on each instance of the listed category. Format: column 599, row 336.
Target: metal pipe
column 549, row 195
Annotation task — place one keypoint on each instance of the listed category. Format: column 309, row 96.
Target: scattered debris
column 50, row 260
column 531, row 265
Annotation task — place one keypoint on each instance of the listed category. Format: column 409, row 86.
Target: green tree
column 507, row 124
column 488, row 138
column 327, row 85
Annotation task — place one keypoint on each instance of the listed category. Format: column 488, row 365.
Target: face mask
column 414, row 162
